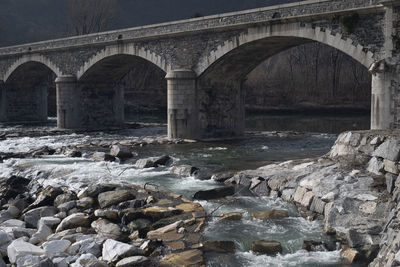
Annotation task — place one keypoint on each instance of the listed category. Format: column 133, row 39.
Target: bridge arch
column 121, row 50
column 32, row 58
column 222, row 72
column 282, row 37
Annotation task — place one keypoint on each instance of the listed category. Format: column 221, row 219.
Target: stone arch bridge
column 205, row 60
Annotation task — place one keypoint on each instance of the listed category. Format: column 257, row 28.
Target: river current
column 255, row 150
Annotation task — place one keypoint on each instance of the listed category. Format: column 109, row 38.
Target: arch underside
column 221, row 100
column 26, row 93
column 101, row 90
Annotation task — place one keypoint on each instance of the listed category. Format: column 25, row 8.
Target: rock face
column 266, row 247
column 215, row 193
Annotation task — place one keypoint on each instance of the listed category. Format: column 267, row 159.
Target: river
column 255, row 150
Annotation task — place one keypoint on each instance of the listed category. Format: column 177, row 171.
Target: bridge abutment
column 182, row 104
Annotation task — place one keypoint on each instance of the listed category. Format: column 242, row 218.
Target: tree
column 89, row 16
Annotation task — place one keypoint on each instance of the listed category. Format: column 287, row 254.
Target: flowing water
column 254, row 151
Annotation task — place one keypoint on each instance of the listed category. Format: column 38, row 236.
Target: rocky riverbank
column 354, row 189
column 102, row 225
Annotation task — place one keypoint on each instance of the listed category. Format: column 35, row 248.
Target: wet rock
column 133, row 261
column 183, row 170
column 88, row 260
column 107, row 214
column 219, row 246
column 136, row 203
column 33, row 216
column 266, row 247
column 311, row 245
column 215, row 193
column 222, row 177
column 153, row 162
column 351, row 256
column 56, row 247
column 67, row 206
column 202, row 175
column 288, row 194
column 46, row 197
column 114, row 197
column 13, row 186
column 63, row 198
column 139, row 224
column 270, row 214
column 108, row 229
column 234, row 216
column 114, row 250
column 73, row 221
column 20, row 248
column 95, row 189
column 85, row 203
column 190, row 207
column 73, row 153
column 186, row 258
column 121, row 151
column 101, row 156
column 42, row 151
column 156, row 213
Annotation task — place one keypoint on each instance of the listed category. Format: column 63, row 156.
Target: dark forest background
column 308, row 77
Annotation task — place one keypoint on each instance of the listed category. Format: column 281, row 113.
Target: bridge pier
column 182, row 104
column 68, row 103
column 2, row 102
column 382, row 105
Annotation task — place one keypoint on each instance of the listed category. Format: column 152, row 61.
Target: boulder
column 13, row 223
column 183, row 170
column 270, row 214
column 311, row 245
column 120, row 151
column 13, row 186
column 107, row 229
column 33, row 216
column 266, row 247
column 47, row 197
column 375, row 166
column 94, row 190
column 19, row 248
column 133, row 261
column 114, row 197
column 34, row 261
column 219, row 246
column 73, row 221
column 215, row 193
column 234, row 216
column 186, row 258
column 222, row 177
column 41, row 235
column 156, row 213
column 53, row 248
column 63, row 198
column 49, row 221
column 114, row 250
column 88, row 260
column 85, row 203
column 389, row 149
column 153, row 162
column 107, row 214
column 351, row 256
column 101, row 156
column 73, row 153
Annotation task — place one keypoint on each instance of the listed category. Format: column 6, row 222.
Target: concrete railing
column 271, row 13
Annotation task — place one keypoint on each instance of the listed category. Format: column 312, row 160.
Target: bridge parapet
column 297, row 11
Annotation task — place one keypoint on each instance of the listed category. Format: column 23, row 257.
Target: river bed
column 256, row 150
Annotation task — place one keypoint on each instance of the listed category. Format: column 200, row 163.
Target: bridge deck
column 293, row 11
